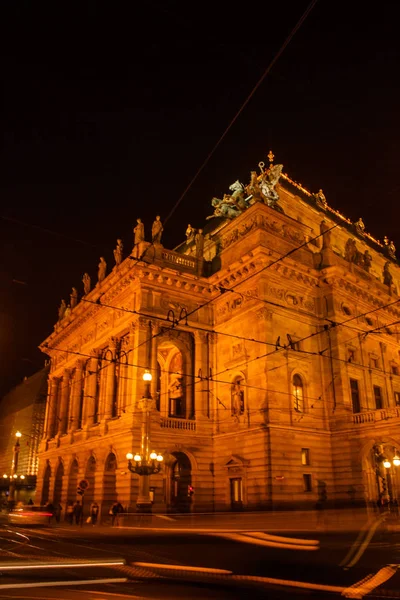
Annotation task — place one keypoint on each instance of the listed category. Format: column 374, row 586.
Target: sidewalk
column 302, row 521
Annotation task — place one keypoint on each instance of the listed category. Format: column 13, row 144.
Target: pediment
column 236, row 461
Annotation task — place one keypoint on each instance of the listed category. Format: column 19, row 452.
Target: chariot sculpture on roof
column 261, row 188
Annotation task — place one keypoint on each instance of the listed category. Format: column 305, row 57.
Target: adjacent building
column 273, row 342
column 22, row 410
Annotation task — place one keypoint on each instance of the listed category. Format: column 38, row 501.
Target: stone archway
column 58, row 483
column 109, row 482
column 180, row 482
column 380, row 482
column 46, row 485
column 73, row 481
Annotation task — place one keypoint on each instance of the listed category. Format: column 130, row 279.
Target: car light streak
column 39, row 584
column 369, row 583
column 361, row 543
column 267, row 542
column 61, row 565
column 182, row 568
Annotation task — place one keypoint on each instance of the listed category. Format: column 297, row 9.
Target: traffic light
column 80, row 491
column 190, row 490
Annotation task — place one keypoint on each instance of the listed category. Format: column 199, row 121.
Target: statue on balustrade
column 61, row 310
column 190, row 232
column 102, row 269
column 118, row 253
column 156, row 231
column 199, row 243
column 67, row 311
column 73, row 297
column 86, row 283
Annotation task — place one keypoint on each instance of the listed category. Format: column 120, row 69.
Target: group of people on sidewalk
column 74, row 513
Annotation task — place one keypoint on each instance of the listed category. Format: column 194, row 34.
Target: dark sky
column 109, row 109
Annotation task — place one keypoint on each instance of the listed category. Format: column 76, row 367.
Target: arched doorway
column 58, row 482
column 109, row 482
column 73, row 481
column 89, row 476
column 46, row 485
column 180, row 483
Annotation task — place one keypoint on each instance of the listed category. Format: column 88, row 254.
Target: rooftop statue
column 231, row 205
column 61, row 310
column 138, row 232
column 73, row 297
column 320, row 199
column 102, row 269
column 360, row 227
column 118, row 252
column 86, row 283
column 267, row 184
column 392, row 250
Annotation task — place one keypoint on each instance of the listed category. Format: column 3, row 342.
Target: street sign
column 83, row 484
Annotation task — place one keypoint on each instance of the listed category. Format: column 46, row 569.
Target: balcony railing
column 181, row 424
column 372, row 416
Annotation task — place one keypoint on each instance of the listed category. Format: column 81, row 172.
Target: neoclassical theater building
column 272, row 338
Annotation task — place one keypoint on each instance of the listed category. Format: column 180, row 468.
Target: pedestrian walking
column 70, row 512
column 94, row 512
column 115, row 511
column 57, row 512
column 78, row 512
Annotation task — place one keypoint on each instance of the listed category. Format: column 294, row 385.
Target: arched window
column 237, row 397
column 298, row 393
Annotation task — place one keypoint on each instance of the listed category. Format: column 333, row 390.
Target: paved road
column 334, row 560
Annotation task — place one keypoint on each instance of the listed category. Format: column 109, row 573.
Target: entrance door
column 181, row 481
column 236, row 488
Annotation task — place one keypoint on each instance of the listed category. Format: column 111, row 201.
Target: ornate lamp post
column 146, row 463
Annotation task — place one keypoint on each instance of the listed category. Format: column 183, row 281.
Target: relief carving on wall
column 290, row 298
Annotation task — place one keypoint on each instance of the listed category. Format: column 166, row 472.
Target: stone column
column 63, row 412
column 90, row 390
column 155, row 329
column 110, row 379
column 201, row 367
column 52, row 407
column 76, row 396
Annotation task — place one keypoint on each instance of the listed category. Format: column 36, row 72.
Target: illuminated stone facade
column 275, row 361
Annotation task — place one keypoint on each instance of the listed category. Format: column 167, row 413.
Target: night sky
column 109, row 110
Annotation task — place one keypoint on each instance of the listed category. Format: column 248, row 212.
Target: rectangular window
column 378, row 397
column 374, row 363
column 397, row 398
column 351, row 355
column 307, row 482
column 355, row 396
column 305, row 456
column 395, row 370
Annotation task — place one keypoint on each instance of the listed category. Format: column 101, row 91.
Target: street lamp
column 145, row 463
column 14, row 467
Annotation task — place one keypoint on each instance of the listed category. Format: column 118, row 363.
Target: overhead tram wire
column 243, row 106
